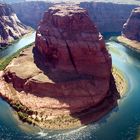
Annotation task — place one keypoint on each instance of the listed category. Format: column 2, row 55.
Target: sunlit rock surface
column 10, row 26
column 68, row 73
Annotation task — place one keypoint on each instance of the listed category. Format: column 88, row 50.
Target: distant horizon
column 77, row 1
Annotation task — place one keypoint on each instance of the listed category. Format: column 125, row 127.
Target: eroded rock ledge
column 131, row 31
column 67, row 80
column 131, row 28
column 10, row 26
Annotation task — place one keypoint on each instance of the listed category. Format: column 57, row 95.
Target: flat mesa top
column 66, row 10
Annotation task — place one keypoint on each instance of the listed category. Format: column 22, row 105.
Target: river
column 122, row 123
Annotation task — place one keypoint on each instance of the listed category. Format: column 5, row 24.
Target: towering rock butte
column 75, row 56
column 10, row 26
column 131, row 28
column 70, row 73
column 70, row 42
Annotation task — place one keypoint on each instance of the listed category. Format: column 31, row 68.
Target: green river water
column 122, row 123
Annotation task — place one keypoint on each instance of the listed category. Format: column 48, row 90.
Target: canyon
column 47, row 85
column 66, row 81
column 30, row 13
column 108, row 17
column 10, row 26
column 131, row 31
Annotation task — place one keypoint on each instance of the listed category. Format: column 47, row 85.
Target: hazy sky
column 114, row 1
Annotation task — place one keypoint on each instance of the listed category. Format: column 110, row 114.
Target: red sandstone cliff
column 131, row 28
column 10, row 26
column 70, row 71
column 75, row 56
column 70, row 42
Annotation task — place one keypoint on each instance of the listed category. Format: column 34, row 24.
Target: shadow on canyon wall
column 91, row 114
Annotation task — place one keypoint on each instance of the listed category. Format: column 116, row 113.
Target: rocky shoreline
column 131, row 34
column 11, row 27
column 64, row 80
column 61, row 122
column 131, row 44
column 120, row 81
column 9, row 94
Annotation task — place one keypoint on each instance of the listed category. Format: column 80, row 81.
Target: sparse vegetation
column 39, row 118
column 5, row 61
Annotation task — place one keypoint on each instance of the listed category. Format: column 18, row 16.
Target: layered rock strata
column 31, row 12
column 69, row 73
column 10, row 26
column 108, row 17
column 131, row 28
column 131, row 31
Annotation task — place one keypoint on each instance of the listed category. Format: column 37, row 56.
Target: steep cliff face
column 69, row 41
column 30, row 13
column 109, row 17
column 131, row 28
column 75, row 56
column 69, row 73
column 10, row 26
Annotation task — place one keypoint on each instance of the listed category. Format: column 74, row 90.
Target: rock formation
column 10, row 26
column 31, row 12
column 70, row 42
column 103, row 14
column 131, row 28
column 109, row 17
column 70, row 73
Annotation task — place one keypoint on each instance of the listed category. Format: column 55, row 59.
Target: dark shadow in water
column 107, row 35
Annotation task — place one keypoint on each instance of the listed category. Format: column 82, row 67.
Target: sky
column 114, row 1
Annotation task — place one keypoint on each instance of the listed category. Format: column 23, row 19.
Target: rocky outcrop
column 131, row 31
column 30, row 13
column 70, row 42
column 69, row 73
column 109, row 17
column 131, row 28
column 10, row 26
